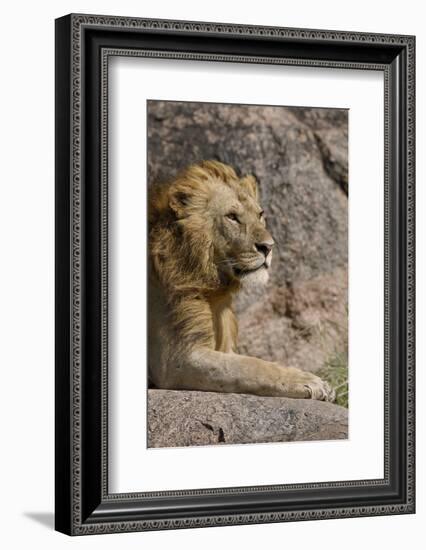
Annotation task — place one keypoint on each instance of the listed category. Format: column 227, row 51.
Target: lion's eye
column 233, row 217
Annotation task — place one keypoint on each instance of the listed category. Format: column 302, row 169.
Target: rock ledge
column 187, row 418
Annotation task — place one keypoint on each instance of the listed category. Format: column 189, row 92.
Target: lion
column 207, row 240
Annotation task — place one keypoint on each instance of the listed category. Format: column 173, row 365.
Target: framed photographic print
column 234, row 274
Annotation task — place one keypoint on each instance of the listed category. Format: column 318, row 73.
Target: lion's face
column 242, row 245
column 207, row 230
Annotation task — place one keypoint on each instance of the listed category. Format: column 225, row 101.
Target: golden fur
column 207, row 238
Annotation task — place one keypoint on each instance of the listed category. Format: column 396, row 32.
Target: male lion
column 207, row 238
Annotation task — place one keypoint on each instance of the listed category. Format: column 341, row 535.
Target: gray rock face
column 184, row 418
column 302, row 324
column 300, row 159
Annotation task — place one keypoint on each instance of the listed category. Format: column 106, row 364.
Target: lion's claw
column 321, row 390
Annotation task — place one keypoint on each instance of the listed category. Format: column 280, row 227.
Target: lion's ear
column 250, row 184
column 178, row 202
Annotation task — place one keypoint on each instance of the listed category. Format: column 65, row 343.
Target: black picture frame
column 83, row 45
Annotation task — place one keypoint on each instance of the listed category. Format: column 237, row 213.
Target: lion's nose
column 264, row 247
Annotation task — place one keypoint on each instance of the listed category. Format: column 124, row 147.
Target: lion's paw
column 321, row 390
column 310, row 386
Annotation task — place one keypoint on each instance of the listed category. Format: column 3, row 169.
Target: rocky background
column 300, row 159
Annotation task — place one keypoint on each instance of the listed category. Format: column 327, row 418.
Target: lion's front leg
column 209, row 370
